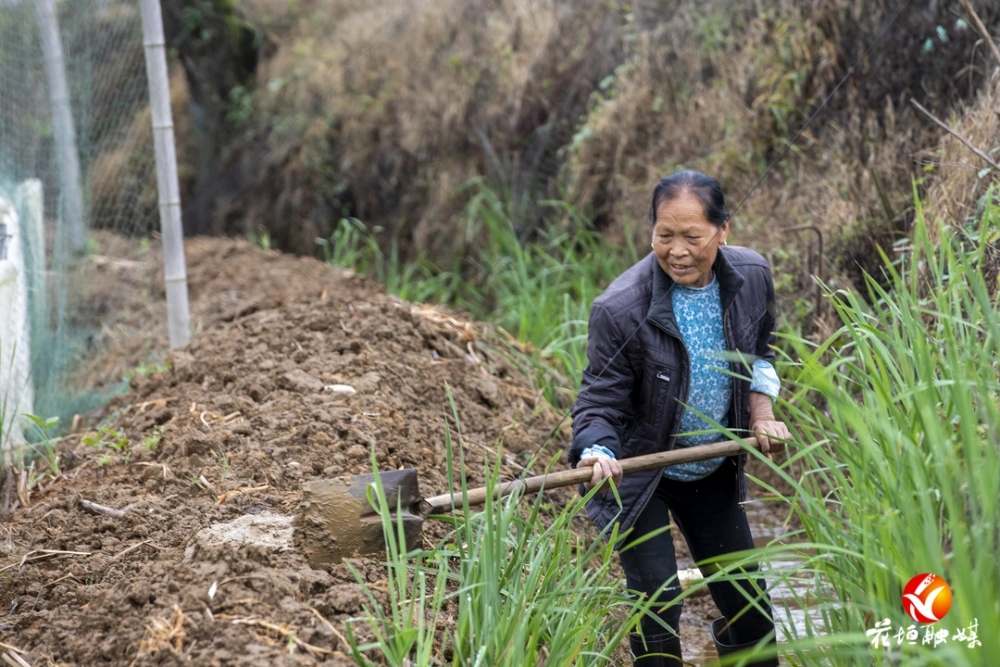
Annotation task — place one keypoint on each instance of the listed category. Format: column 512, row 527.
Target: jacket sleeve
column 766, row 339
column 604, row 403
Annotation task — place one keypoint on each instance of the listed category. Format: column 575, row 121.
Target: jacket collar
column 661, row 307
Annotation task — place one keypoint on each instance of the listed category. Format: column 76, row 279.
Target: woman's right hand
column 604, row 466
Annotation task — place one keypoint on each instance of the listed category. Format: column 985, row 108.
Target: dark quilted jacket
column 635, row 406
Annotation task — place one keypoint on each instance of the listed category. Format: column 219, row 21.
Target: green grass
column 150, row 441
column 539, row 292
column 106, row 437
column 511, row 585
column 896, row 421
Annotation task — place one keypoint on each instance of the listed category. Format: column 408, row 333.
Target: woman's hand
column 604, row 466
column 770, row 433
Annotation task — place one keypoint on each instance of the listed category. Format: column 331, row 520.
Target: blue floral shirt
column 698, row 311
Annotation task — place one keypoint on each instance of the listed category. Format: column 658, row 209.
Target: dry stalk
column 166, row 470
column 133, row 548
column 336, row 633
column 206, row 483
column 23, row 484
column 94, row 508
column 958, row 136
column 14, row 660
column 11, row 648
column 45, row 553
column 151, row 404
column 982, row 29
column 117, row 263
column 236, row 492
column 465, row 330
column 62, row 578
column 286, row 632
column 210, row 418
column 161, row 633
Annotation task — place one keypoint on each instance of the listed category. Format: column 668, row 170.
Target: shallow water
column 766, row 525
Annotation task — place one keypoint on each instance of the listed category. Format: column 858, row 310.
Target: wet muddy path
column 769, row 524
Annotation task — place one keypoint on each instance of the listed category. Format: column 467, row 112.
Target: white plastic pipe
column 16, row 392
column 62, row 124
column 175, row 274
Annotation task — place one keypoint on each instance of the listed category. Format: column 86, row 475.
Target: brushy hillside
column 383, row 110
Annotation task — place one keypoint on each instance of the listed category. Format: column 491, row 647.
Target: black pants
column 708, row 514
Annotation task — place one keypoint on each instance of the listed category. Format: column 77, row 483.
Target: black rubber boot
column 653, row 651
column 724, row 646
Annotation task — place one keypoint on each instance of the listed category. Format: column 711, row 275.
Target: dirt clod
column 265, row 530
column 488, row 391
column 300, row 381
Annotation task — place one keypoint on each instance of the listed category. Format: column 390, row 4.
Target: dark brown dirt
column 245, row 406
column 248, row 406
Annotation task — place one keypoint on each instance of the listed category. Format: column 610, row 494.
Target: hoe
column 336, row 520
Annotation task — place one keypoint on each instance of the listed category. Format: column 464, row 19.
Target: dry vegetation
column 953, row 194
column 383, row 110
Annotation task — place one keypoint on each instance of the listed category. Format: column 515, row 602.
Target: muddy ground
column 234, row 426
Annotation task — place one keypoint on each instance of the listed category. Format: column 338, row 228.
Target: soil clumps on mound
column 297, row 372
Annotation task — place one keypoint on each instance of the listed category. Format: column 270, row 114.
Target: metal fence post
column 175, row 274
column 62, row 125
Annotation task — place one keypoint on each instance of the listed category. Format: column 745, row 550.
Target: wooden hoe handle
column 579, row 475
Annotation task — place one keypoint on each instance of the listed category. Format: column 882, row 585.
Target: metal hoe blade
column 336, row 520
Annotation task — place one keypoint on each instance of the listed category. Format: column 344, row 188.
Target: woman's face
column 685, row 242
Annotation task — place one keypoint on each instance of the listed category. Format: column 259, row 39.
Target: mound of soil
column 240, row 419
column 207, row 459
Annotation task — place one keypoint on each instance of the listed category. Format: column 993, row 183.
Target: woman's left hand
column 770, row 433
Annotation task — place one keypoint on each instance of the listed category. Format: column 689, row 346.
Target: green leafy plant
column 351, row 246
column 150, row 441
column 145, row 370
column 106, row 437
column 45, row 446
column 261, row 238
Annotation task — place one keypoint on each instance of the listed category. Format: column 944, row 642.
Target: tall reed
column 896, row 425
column 509, row 586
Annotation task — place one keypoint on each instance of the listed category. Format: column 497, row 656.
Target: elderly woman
column 659, row 337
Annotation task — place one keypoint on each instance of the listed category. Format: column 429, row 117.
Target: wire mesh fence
column 63, row 243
